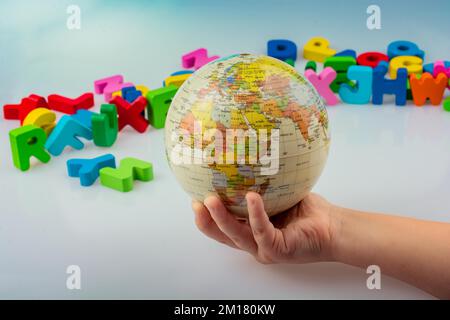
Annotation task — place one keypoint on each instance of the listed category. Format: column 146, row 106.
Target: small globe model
column 247, row 123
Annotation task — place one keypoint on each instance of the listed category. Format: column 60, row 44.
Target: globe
column 247, row 123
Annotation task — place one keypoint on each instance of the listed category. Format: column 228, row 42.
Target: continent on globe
column 247, row 123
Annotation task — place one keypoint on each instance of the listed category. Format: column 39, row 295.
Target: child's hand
column 411, row 250
column 302, row 234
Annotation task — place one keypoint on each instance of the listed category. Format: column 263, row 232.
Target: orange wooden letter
column 428, row 87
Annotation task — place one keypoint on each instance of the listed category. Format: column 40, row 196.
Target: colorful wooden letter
column 282, row 49
column 122, row 178
column 130, row 93
column 429, row 67
column 371, row 59
column 88, row 169
column 84, row 117
column 362, row 92
column 412, row 63
column 131, row 113
column 101, row 84
column 346, row 53
column 177, row 73
column 107, row 86
column 311, row 65
column 322, row 84
column 11, row 111
column 196, row 59
column 428, row 87
column 66, row 133
column 318, row 49
column 20, row 111
column 447, row 104
column 340, row 65
column 25, row 142
column 405, row 48
column 159, row 101
column 70, row 106
column 176, row 80
column 290, row 62
column 105, row 126
column 441, row 67
column 382, row 86
column 143, row 89
column 43, row 118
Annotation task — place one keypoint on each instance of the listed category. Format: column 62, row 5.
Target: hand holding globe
column 301, row 234
column 247, row 137
column 247, row 123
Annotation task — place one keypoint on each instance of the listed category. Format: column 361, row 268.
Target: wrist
column 337, row 220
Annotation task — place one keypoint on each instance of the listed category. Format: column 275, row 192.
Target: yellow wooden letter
column 318, row 49
column 411, row 63
column 117, row 93
column 177, row 80
column 43, row 118
column 142, row 89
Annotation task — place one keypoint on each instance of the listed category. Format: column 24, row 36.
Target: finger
column 207, row 225
column 238, row 232
column 263, row 230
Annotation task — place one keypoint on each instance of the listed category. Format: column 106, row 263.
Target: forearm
column 415, row 251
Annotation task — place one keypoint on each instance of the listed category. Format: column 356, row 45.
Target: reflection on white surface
column 144, row 244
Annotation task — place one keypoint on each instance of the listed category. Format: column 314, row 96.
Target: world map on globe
column 247, row 93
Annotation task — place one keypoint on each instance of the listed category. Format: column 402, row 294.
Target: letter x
column 322, row 84
column 130, row 113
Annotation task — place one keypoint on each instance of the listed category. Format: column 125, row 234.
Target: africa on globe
column 247, row 123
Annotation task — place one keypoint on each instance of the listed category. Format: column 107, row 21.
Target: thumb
column 262, row 229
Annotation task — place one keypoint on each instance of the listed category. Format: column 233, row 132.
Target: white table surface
column 144, row 244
